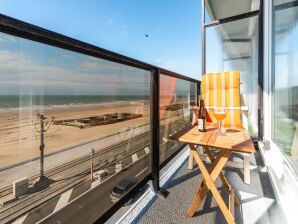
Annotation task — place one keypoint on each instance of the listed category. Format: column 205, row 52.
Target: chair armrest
column 244, row 108
column 241, row 108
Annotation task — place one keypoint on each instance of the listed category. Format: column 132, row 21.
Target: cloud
column 6, row 39
column 92, row 64
column 89, row 76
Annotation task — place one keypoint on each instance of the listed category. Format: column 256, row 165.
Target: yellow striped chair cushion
column 222, row 89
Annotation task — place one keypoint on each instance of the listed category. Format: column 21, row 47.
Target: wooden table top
column 191, row 134
column 235, row 140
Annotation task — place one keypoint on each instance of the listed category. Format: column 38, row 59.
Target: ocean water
column 17, row 101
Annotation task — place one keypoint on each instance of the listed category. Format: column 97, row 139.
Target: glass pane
column 76, row 103
column 234, row 46
column 219, row 9
column 279, row 2
column 176, row 98
column 285, row 83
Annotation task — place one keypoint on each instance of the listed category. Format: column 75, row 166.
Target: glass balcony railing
column 75, row 128
column 177, row 97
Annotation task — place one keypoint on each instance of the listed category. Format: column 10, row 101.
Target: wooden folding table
column 231, row 141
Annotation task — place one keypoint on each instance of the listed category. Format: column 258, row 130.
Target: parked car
column 100, row 174
column 122, row 188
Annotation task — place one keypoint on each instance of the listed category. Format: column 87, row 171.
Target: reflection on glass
column 234, row 46
column 88, row 104
column 219, row 9
column 176, row 98
column 279, row 2
column 285, row 82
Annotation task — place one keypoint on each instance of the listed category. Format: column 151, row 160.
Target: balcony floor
column 258, row 202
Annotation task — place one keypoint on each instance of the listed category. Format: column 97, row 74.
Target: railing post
column 154, row 121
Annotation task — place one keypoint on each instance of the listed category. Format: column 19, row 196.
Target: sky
column 32, row 68
column 173, row 27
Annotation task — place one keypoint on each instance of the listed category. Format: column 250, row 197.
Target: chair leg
column 190, row 160
column 246, row 168
column 203, row 153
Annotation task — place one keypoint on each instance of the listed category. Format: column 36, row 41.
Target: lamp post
column 92, row 153
column 41, row 147
column 42, row 179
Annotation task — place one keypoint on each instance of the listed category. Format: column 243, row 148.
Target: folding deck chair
column 222, row 89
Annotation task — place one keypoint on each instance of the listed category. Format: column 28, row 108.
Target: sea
column 17, row 101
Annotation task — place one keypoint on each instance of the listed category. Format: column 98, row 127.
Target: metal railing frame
column 28, row 31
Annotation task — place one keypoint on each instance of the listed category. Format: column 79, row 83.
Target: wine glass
column 219, row 114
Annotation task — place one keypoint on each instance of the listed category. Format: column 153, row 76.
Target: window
column 285, row 80
column 234, row 46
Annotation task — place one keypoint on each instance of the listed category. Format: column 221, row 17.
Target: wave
column 14, row 103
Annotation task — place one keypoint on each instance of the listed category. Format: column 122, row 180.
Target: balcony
column 258, row 201
column 85, row 132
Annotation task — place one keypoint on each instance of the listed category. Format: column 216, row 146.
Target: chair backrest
column 222, row 89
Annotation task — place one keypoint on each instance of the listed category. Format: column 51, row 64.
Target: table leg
column 224, row 181
column 215, row 170
column 209, row 181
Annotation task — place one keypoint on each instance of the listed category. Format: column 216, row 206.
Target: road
column 99, row 195
column 96, row 201
column 71, row 175
column 79, row 196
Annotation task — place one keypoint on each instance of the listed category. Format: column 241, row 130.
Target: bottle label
column 201, row 124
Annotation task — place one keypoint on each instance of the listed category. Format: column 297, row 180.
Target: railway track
column 50, row 173
column 112, row 148
column 73, row 173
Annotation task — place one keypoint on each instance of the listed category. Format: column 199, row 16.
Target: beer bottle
column 202, row 117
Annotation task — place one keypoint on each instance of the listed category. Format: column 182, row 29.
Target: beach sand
column 20, row 139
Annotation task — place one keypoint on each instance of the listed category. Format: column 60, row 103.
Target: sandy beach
column 19, row 129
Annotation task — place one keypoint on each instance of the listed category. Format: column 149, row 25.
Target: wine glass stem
column 219, row 126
